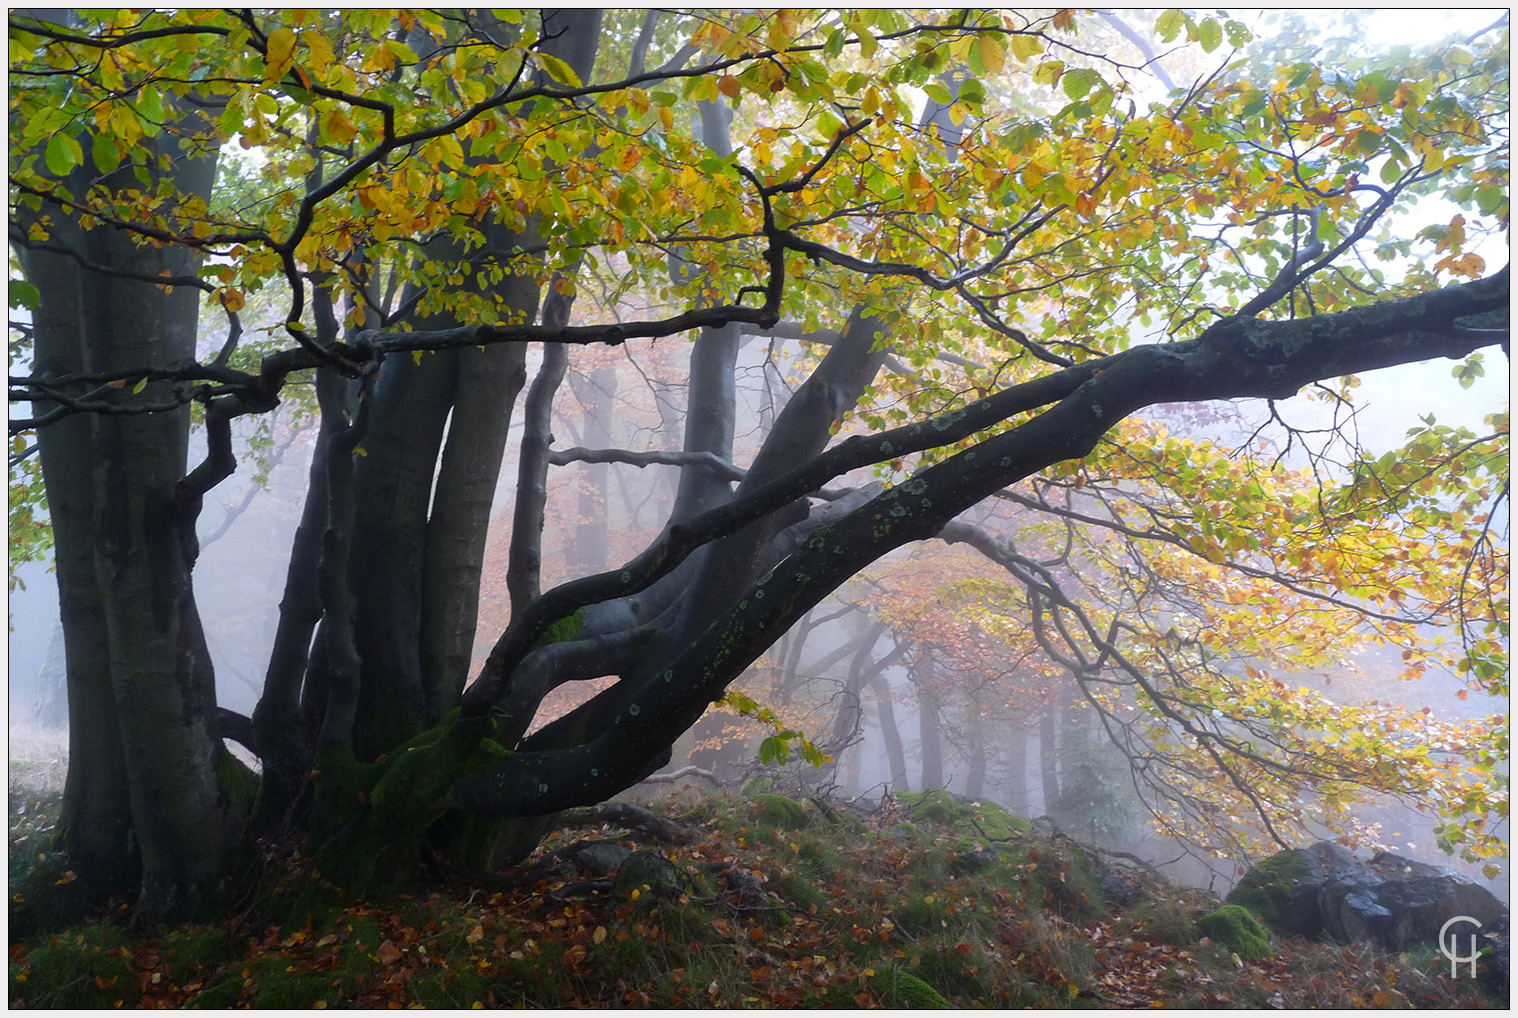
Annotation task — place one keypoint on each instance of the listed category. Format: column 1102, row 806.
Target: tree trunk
column 1048, row 756
column 143, row 794
column 488, row 382
column 284, row 732
column 928, row 722
column 589, row 547
column 416, row 569
column 392, row 487
column 95, row 826
column 890, row 733
column 1016, row 783
column 975, row 780
column 524, row 568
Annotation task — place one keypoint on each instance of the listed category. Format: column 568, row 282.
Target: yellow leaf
column 1024, row 46
column 320, row 51
column 558, row 70
column 380, row 59
column 280, row 54
column 991, row 54
column 338, row 127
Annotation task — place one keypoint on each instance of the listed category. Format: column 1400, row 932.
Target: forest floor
column 771, row 904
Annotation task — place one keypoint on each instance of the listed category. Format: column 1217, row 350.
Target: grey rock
column 1326, row 892
column 601, row 857
column 647, row 869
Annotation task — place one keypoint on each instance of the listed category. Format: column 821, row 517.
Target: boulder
column 1405, row 902
column 602, row 857
column 1328, row 893
column 1283, row 889
column 649, row 871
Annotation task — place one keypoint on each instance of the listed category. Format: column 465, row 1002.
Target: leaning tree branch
column 1231, row 359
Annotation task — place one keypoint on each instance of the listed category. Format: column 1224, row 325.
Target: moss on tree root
column 377, row 819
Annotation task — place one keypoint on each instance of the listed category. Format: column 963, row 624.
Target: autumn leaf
column 280, row 53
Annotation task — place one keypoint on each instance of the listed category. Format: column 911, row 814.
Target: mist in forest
column 870, row 676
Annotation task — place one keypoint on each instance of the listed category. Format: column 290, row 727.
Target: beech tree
column 989, row 241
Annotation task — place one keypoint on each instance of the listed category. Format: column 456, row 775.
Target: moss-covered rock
column 1269, row 888
column 995, row 822
column 1237, row 927
column 972, row 819
column 1070, row 884
column 935, row 806
column 755, row 787
column 780, row 812
column 904, row 990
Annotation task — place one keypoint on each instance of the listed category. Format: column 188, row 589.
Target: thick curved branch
column 548, row 668
column 1231, row 359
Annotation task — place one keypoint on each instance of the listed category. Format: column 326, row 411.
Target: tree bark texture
column 143, row 800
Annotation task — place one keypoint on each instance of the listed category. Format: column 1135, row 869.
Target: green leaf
column 938, row 94
column 105, row 153
column 1170, row 24
column 1467, row 373
column 59, row 156
column 150, row 109
column 1211, row 34
column 1078, row 81
column 828, row 125
column 1239, row 35
column 22, row 294
column 773, row 750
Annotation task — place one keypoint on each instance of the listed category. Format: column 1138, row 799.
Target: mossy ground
column 1237, row 928
column 858, row 911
